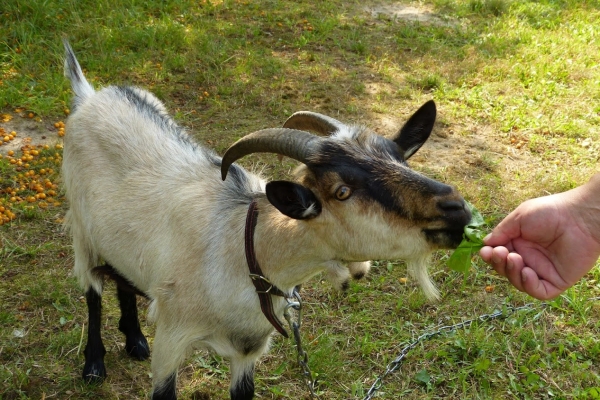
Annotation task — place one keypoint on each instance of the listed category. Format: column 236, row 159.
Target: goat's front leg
column 339, row 272
column 136, row 344
column 359, row 269
column 94, row 370
column 242, row 378
column 169, row 351
column 167, row 389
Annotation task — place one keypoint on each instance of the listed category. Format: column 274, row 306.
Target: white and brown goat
column 168, row 219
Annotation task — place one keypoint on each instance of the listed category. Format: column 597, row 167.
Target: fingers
column 523, row 278
column 540, row 289
column 505, row 263
column 496, row 257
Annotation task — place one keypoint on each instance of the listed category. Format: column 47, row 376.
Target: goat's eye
column 343, row 192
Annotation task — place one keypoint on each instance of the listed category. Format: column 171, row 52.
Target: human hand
column 547, row 244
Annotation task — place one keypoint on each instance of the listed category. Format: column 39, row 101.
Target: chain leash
column 397, row 362
column 302, row 355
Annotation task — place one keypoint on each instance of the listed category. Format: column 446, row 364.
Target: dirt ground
column 36, row 131
column 404, row 12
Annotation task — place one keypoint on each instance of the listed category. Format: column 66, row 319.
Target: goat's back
column 142, row 192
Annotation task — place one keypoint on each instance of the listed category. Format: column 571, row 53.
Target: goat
column 150, row 203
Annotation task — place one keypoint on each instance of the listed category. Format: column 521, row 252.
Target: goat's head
column 357, row 188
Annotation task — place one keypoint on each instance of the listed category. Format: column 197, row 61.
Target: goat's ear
column 416, row 130
column 293, row 200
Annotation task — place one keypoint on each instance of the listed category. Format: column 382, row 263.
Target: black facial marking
column 446, row 238
column 370, row 174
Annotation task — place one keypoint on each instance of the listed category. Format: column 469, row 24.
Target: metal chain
column 302, row 355
column 395, row 364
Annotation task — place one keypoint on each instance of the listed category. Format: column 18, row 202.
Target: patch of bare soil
column 469, row 151
column 34, row 131
column 400, row 11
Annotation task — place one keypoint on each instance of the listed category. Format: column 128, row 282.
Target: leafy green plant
column 473, row 236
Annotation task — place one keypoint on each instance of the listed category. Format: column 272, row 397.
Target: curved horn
column 314, row 122
column 291, row 143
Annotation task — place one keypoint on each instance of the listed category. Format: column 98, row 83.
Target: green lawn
column 517, row 84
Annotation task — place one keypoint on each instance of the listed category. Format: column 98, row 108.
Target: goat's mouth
column 447, row 238
column 447, row 231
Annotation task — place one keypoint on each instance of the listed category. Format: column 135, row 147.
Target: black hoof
column 345, row 286
column 358, row 275
column 166, row 390
column 94, row 373
column 138, row 348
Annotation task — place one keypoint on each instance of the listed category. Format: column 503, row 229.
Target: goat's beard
column 417, row 268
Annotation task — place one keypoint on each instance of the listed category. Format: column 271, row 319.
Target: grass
column 517, row 85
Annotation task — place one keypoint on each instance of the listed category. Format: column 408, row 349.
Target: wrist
column 586, row 205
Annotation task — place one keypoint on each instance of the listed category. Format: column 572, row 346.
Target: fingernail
column 485, row 239
column 523, row 276
column 509, row 264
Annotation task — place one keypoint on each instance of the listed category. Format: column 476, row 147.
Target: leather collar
column 264, row 288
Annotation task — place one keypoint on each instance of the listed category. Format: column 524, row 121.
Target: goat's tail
column 81, row 87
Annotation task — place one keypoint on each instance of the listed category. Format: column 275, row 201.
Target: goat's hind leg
column 136, row 344
column 94, row 370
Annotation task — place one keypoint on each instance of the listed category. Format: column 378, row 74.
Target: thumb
column 502, row 234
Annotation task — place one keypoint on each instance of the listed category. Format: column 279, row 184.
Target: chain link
column 302, row 355
column 397, row 362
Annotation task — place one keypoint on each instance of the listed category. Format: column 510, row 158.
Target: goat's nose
column 451, row 205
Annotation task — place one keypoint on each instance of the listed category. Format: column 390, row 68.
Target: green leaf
column 474, row 234
column 423, row 377
column 476, row 217
column 482, row 364
column 460, row 260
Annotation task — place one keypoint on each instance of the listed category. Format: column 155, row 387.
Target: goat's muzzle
column 454, row 215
